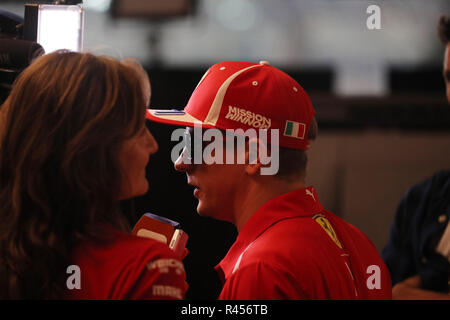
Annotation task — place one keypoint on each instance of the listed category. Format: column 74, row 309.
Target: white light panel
column 60, row 27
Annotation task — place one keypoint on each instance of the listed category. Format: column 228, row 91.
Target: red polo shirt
column 292, row 248
column 128, row 267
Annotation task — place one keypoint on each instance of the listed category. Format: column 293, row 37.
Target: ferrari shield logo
column 326, row 225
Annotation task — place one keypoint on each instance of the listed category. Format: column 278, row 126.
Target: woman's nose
column 152, row 144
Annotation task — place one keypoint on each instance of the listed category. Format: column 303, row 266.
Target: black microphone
column 16, row 54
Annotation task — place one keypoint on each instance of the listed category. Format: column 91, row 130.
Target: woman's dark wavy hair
column 62, row 127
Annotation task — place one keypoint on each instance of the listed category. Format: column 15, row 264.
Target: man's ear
column 252, row 161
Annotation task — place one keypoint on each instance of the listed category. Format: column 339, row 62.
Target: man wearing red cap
column 289, row 246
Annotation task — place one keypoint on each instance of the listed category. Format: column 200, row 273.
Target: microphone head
column 155, row 227
column 162, row 229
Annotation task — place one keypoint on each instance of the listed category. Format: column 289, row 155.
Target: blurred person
column 288, row 246
column 419, row 268
column 73, row 147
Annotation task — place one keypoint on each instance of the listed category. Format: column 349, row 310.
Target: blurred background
column 379, row 95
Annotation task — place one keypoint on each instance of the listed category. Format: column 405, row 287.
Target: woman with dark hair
column 73, row 144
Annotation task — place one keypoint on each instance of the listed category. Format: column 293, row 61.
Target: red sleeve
column 260, row 281
column 161, row 279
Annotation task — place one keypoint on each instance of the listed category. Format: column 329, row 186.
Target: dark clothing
column 421, row 218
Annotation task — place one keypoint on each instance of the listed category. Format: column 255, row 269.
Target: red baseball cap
column 243, row 95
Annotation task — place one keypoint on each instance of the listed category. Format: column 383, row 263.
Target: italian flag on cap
column 295, row 129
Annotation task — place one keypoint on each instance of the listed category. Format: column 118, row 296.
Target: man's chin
column 204, row 211
column 201, row 210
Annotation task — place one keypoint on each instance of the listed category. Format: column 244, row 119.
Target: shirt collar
column 299, row 203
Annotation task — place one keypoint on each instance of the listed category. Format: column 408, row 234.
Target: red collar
column 298, row 203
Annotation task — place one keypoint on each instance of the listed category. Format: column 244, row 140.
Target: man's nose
column 183, row 163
